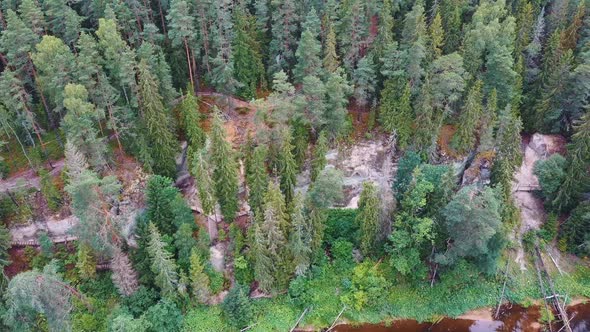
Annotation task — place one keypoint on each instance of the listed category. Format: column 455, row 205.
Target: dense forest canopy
column 118, row 112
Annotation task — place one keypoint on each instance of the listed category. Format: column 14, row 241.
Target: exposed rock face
column 480, row 169
column 532, row 211
column 217, row 257
column 367, row 160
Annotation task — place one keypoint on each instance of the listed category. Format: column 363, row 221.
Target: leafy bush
column 342, row 253
column 575, row 232
column 215, row 278
column 548, row 230
column 341, row 224
column 164, row 316
column 368, row 288
column 205, row 319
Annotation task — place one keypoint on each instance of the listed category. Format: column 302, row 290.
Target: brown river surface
column 512, row 318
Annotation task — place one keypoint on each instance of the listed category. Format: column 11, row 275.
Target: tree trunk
column 188, row 61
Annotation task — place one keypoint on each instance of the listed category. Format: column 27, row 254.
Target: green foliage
column 249, row 70
column 191, row 120
column 406, row 166
column 368, row 219
column 575, row 230
column 318, row 162
column 50, row 191
column 341, row 224
column 483, row 239
column 199, row 281
column 156, row 120
column 395, row 110
column 368, row 287
column 225, row 170
column 551, row 174
column 160, row 198
column 164, row 316
column 327, row 189
column 162, row 263
column 237, row 307
column 206, row 319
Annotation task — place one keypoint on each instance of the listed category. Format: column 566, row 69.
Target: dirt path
column 532, row 211
column 28, row 178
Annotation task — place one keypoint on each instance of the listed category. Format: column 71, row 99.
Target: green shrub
column 216, row 279
column 342, row 254
column 341, row 224
column 548, row 230
column 237, row 307
column 368, row 287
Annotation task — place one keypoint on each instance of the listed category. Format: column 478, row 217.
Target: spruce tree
column 364, row 77
column 225, row 171
column 288, row 167
column 299, row 236
column 257, row 179
column 270, row 234
column 202, row 171
column 283, row 30
column 395, row 111
column 85, row 263
column 160, row 195
column 199, row 281
column 437, row 37
column 368, row 219
column 124, row 276
column 191, row 120
column 318, row 162
column 337, row 91
column 330, row 61
column 248, row 66
column 156, row 119
column 308, row 57
column 162, row 263
column 465, row 137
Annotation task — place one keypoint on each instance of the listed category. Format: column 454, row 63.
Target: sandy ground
column 532, row 211
column 28, row 178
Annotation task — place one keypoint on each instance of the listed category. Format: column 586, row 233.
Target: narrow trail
column 28, row 178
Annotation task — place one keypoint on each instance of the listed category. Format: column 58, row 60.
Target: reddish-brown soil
column 18, row 262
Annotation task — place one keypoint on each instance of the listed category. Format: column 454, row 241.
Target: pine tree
column 17, row 41
column 199, row 281
column 184, row 243
column 257, row 179
column 182, row 32
column 300, row 143
column 225, row 171
column 124, row 276
column 337, row 92
column 283, row 31
column 318, row 162
column 353, row 32
column 308, row 57
column 288, row 167
column 159, row 130
column 364, row 77
column 465, row 137
column 55, row 65
column 119, row 59
column 80, row 124
column 32, row 15
column 368, row 218
column 312, row 103
column 62, row 20
column 299, row 238
column 162, row 263
column 191, row 120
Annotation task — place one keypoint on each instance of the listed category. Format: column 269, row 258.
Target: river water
column 512, row 318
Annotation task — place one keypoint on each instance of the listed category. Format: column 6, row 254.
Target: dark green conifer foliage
column 395, row 111
column 469, row 120
column 318, row 162
column 191, row 120
column 257, row 179
column 156, row 119
column 225, row 172
column 288, row 167
column 249, row 69
column 368, row 219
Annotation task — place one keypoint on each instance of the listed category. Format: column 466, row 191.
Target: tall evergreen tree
column 470, row 118
column 249, row 69
column 257, row 179
column 330, row 61
column 337, row 91
column 198, row 279
column 81, row 122
column 191, row 120
column 202, row 171
column 308, row 56
column 162, row 263
column 364, row 78
column 318, row 162
column 299, row 236
column 283, row 29
column 368, row 219
column 395, row 111
column 182, row 32
column 288, row 167
column 159, row 129
column 225, row 172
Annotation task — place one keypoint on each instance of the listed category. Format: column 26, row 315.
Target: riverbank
column 512, row 318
